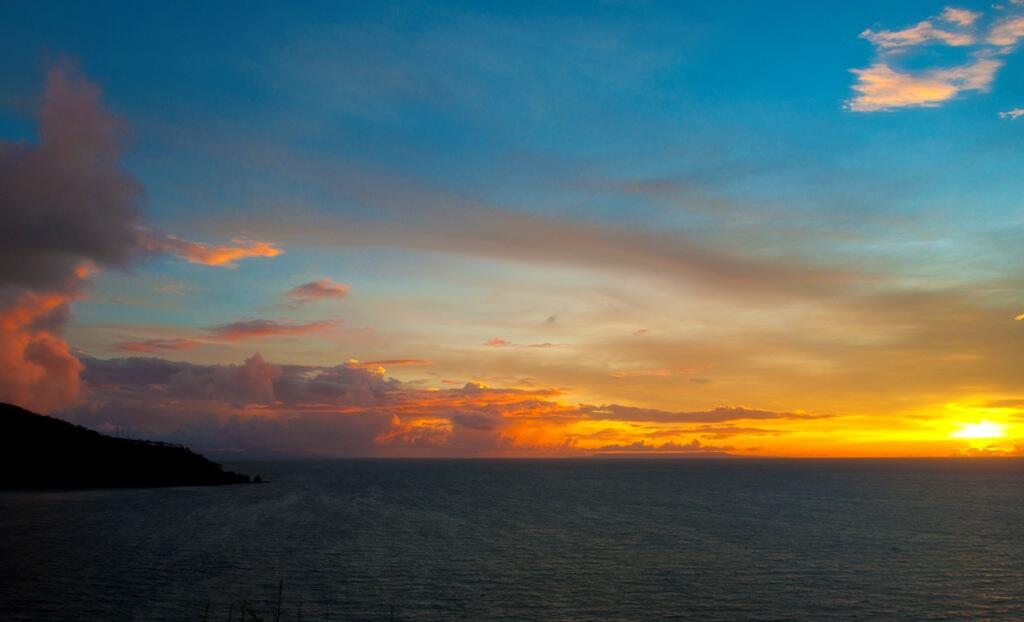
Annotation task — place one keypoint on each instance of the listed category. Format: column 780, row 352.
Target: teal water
column 532, row 540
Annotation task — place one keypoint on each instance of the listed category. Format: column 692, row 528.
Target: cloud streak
column 617, row 412
column 484, row 231
column 922, row 33
column 225, row 255
column 157, row 345
column 259, row 328
column 321, row 289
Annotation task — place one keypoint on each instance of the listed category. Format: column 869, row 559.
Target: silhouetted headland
column 42, row 452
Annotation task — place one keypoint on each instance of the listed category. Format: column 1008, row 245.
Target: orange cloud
column 225, row 256
column 252, row 329
column 157, row 345
column 318, row 290
column 350, row 409
column 880, row 87
column 67, row 210
column 39, row 370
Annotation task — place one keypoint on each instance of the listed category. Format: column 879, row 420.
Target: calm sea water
column 531, row 540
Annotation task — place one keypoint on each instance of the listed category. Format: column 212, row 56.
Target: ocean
column 581, row 539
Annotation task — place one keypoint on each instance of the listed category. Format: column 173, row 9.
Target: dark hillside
column 43, row 452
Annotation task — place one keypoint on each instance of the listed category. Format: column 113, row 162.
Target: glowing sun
column 982, row 429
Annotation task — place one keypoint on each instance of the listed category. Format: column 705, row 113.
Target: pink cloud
column 318, row 290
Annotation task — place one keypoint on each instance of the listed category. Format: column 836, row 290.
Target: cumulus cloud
column 317, row 290
column 226, row 255
column 157, row 345
column 155, row 379
column 254, row 329
column 65, row 201
column 39, row 370
column 66, row 209
column 352, row 409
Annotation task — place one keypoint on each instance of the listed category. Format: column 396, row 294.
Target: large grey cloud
column 346, row 409
column 65, row 200
column 66, row 208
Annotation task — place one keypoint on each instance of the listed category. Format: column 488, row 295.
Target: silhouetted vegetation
column 276, row 610
column 44, row 452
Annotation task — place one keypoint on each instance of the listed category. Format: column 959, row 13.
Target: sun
column 982, row 429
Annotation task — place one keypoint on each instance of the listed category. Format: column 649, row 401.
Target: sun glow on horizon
column 982, row 430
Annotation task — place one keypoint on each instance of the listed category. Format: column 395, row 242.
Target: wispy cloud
column 317, row 290
column 498, row 342
column 694, row 446
column 888, row 84
column 1012, row 114
column 921, row 33
column 223, row 255
column 617, row 412
column 397, row 363
column 170, row 288
column 1007, row 32
column 253, row 329
column 880, row 87
column 157, row 345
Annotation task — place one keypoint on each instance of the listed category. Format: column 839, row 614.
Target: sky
column 518, row 229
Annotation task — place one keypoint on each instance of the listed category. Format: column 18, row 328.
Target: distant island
column 43, row 452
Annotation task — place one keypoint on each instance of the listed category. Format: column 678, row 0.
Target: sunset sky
column 516, row 230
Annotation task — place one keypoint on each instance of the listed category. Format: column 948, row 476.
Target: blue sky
column 707, row 171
